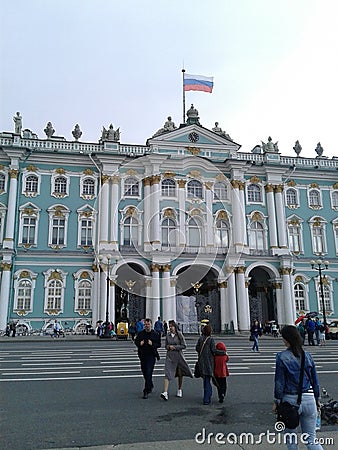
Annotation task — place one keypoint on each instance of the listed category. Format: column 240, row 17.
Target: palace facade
column 185, row 227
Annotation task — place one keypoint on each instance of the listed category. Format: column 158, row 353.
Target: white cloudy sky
column 94, row 62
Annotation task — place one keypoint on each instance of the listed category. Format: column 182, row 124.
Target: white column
column 224, row 304
column 231, row 298
column 238, row 219
column 167, row 307
column 149, row 299
column 103, row 295
column 155, row 290
column 181, row 206
column 281, row 219
column 4, row 293
column 173, row 311
column 115, row 212
column 243, row 216
column 210, row 241
column 104, row 208
column 279, row 302
column 146, row 215
column 242, row 301
column 272, row 216
column 11, row 212
column 96, row 297
column 288, row 297
column 155, row 202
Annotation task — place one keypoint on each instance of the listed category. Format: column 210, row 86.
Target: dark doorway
column 261, row 296
column 130, row 301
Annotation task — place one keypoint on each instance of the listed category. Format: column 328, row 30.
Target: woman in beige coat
column 175, row 363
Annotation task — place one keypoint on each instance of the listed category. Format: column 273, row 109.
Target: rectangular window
column 86, row 232
column 58, row 231
column 28, row 230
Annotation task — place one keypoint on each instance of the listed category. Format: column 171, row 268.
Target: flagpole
column 183, row 71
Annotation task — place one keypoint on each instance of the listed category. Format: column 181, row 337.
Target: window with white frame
column 314, row 198
column 318, row 234
column 88, row 187
column 55, row 285
column 222, row 235
column 130, row 231
column 2, row 220
column 335, row 231
column 194, row 233
column 300, row 298
column 84, row 298
column 60, row 185
column 295, row 235
column 2, row 182
column 24, row 285
column 334, row 199
column 131, row 187
column 58, row 221
column 168, row 187
column 31, row 184
column 86, row 225
column 220, row 191
column 254, row 193
column 28, row 228
column 291, row 198
column 257, row 236
column 168, row 228
column 195, row 189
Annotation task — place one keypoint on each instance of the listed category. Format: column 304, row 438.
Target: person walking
column 139, row 326
column 158, row 326
column 310, row 328
column 147, row 342
column 175, row 363
column 165, row 328
column 221, row 371
column 255, row 331
column 206, row 348
column 287, row 377
column 132, row 330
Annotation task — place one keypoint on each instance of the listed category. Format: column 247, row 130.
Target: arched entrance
column 200, row 301
column 262, row 297
column 130, row 301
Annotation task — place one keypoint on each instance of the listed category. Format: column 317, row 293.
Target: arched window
column 131, row 187
column 254, row 193
column 256, row 239
column 314, row 198
column 168, row 188
column 60, row 185
column 130, row 231
column 24, row 295
column 195, row 189
column 194, row 233
column 88, row 186
column 220, row 191
column 54, row 294
column 222, row 234
column 299, row 297
column 31, row 184
column 168, row 233
column 84, row 295
column 291, row 197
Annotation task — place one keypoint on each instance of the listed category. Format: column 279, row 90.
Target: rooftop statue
column 270, row 146
column 319, row 149
column 110, row 134
column 168, row 126
column 297, row 148
column 192, row 114
column 17, row 123
column 218, row 130
column 49, row 130
column 77, row 133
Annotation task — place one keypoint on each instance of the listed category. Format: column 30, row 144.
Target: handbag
column 251, row 338
column 197, row 370
column 288, row 413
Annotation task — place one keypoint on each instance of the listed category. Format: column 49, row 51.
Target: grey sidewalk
column 328, row 439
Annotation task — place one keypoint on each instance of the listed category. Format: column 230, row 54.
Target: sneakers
column 179, row 393
column 164, row 395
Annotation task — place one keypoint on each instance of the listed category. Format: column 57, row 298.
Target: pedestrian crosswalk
column 74, row 360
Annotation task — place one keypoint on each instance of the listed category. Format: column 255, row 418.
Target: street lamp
column 320, row 268
column 106, row 333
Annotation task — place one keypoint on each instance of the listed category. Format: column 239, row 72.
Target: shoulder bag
column 197, row 371
column 288, row 413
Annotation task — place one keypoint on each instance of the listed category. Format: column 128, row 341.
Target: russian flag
column 198, row 83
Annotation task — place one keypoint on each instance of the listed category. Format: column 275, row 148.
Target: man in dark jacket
column 147, row 342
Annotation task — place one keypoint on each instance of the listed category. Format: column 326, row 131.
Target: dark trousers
column 310, row 337
column 147, row 367
column 221, row 386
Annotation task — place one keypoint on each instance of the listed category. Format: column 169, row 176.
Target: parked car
column 333, row 330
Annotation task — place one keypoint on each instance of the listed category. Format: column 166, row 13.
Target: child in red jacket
column 221, row 371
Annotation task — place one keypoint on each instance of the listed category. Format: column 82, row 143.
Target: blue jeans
column 207, row 388
column 255, row 344
column 308, row 416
